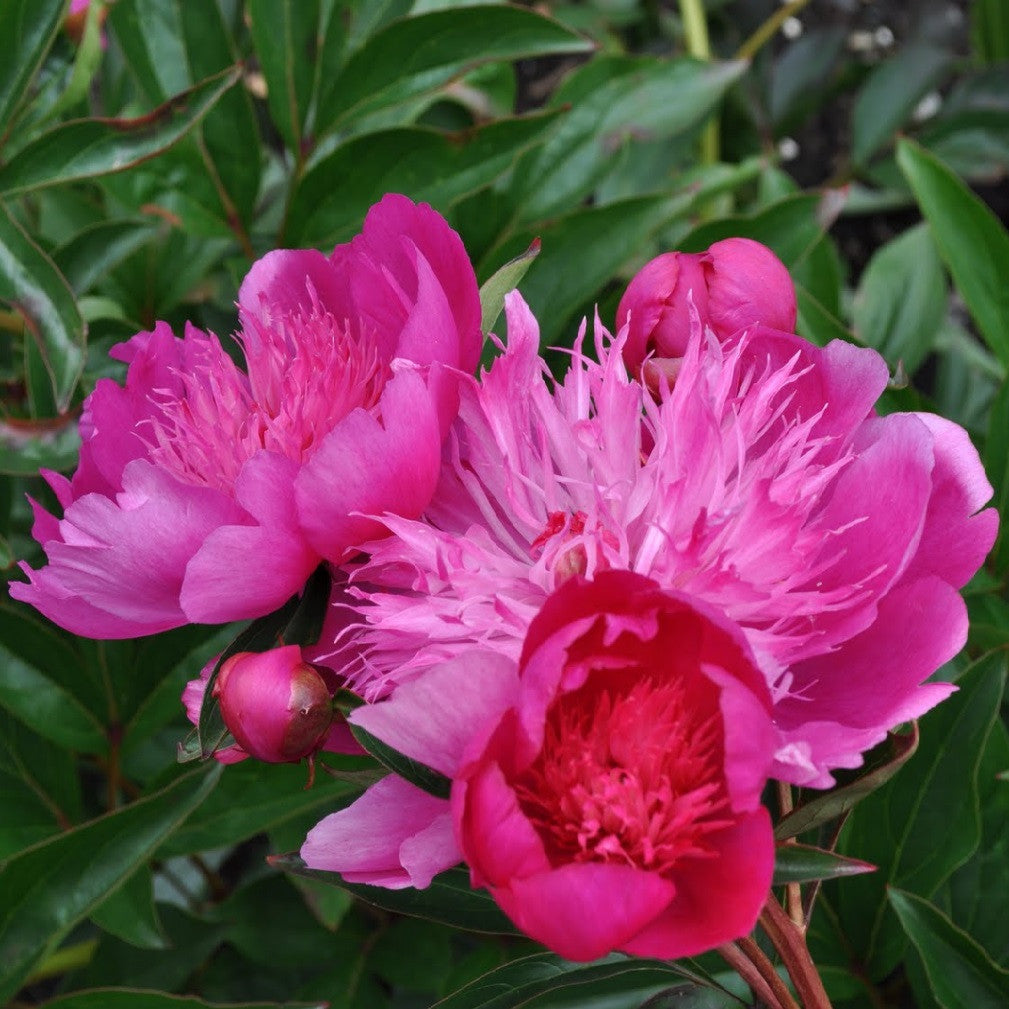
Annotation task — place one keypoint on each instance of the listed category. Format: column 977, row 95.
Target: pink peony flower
column 762, row 484
column 604, row 776
column 735, row 284
column 206, row 493
column 277, row 706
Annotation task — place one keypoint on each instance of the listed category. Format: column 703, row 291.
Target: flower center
column 632, row 777
column 306, row 372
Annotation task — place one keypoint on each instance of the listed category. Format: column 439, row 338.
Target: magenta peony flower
column 206, row 493
column 762, row 484
column 735, row 284
column 605, row 776
column 277, row 706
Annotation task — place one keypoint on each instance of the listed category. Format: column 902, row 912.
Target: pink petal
column 365, row 468
column 434, row 717
column 955, row 540
column 243, row 571
column 585, row 910
column 395, row 836
column 717, row 899
column 118, row 571
column 279, row 282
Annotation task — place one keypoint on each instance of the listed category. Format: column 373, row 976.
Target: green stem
column 768, row 29
column 63, row 960
column 695, row 32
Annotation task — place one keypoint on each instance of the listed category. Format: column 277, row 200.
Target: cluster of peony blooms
column 607, row 608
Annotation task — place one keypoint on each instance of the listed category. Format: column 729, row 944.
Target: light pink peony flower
column 206, row 493
column 735, row 284
column 762, row 484
column 276, row 705
column 603, row 776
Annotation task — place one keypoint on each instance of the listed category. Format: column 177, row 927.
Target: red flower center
column 630, row 775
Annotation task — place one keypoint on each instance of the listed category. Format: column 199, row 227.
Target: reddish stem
column 745, row 967
column 790, row 942
column 783, row 997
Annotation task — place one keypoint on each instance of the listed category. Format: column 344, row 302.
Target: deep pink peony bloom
column 763, row 484
column 735, row 284
column 621, row 770
column 276, row 705
column 206, row 493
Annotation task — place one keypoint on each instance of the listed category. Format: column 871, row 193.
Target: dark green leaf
column 507, row 278
column 43, row 705
column 636, row 99
column 791, row 227
column 817, row 323
column 990, row 30
column 520, row 982
column 413, row 771
column 285, row 33
column 416, row 55
column 333, row 197
column 960, row 972
column 129, row 913
column 149, row 32
column 923, row 824
column 31, row 284
column 580, row 253
column 449, row 899
column 85, row 148
column 27, row 28
column 255, row 797
column 901, row 299
column 890, row 94
column 802, row 863
column 89, row 255
column 141, row 998
column 881, row 764
column 50, row 887
column 970, row 239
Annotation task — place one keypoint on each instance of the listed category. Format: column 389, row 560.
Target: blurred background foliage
column 150, row 150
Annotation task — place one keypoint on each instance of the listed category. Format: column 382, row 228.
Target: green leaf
column 50, row 887
column 129, row 912
column 285, row 35
column 417, row 55
column 802, row 863
column 26, row 446
column 881, row 764
column 580, row 252
column 901, row 299
column 890, row 94
column 522, row 981
column 505, row 279
column 815, row 322
column 34, row 287
column 87, row 60
column 91, row 253
column 790, row 227
column 331, row 200
column 418, row 774
column 635, row 99
column 43, row 705
column 27, row 28
column 86, row 148
column 970, row 239
column 141, row 998
column 960, row 973
column 990, row 30
column 256, row 797
column 922, row 825
column 449, row 899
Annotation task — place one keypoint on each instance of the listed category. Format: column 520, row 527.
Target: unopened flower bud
column 276, row 705
column 735, row 284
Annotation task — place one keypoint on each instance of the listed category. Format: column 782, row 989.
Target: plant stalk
column 732, row 953
column 695, row 32
column 790, row 942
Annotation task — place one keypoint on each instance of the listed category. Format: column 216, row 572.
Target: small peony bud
column 735, row 284
column 277, row 706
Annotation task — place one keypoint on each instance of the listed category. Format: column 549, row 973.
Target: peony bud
column 277, row 706
column 735, row 284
